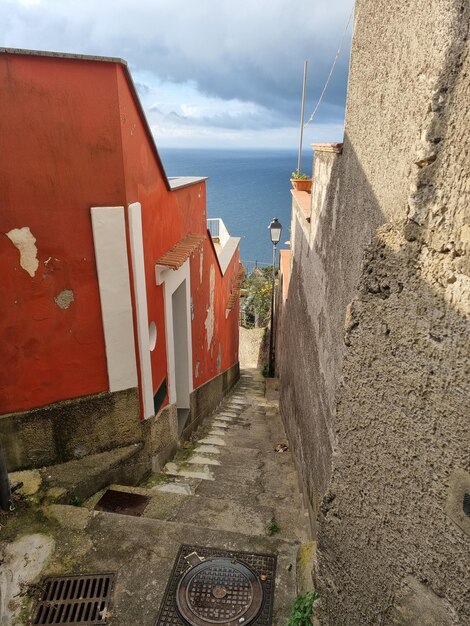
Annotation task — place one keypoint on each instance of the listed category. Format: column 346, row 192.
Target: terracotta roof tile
column 176, row 256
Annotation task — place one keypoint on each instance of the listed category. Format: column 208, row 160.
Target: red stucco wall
column 207, row 362
column 75, row 139
column 61, row 154
column 144, row 183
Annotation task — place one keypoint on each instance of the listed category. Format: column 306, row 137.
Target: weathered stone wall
column 375, row 388
column 206, row 398
column 72, row 429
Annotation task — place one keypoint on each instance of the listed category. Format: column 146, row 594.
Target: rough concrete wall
column 388, row 551
column 163, row 437
column 326, row 261
column 384, row 365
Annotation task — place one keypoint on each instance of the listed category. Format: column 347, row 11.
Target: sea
column 247, row 189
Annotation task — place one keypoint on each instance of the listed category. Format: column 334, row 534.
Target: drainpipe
column 6, row 503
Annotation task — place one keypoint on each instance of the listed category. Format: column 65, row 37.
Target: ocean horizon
column 246, row 188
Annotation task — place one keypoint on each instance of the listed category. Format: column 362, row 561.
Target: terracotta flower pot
column 302, row 184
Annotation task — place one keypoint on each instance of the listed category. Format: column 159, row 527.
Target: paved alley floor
column 228, row 489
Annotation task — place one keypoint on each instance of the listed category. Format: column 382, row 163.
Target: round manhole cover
column 219, row 591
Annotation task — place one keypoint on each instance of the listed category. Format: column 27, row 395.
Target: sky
column 210, row 73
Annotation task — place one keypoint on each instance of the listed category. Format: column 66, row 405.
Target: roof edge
column 178, row 182
column 62, row 55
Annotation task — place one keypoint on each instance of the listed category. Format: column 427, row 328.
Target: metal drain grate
column 235, row 588
column 70, row 600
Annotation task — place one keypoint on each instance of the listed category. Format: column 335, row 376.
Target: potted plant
column 301, row 181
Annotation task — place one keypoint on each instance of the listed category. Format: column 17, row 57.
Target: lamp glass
column 275, row 230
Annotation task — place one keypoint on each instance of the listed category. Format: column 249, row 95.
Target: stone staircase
column 230, row 476
column 228, row 488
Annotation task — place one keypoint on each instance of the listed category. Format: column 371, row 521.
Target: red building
column 120, row 312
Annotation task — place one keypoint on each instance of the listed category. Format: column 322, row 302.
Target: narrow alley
column 231, row 488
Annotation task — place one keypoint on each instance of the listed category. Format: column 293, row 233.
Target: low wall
column 71, row 429
column 206, row 399
column 75, row 428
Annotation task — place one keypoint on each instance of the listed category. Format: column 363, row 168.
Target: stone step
column 248, row 518
column 201, row 459
column 162, row 505
column 181, row 488
column 207, row 449
column 203, row 472
column 79, row 479
column 247, row 515
column 222, row 417
column 220, row 424
column 212, row 441
column 216, row 432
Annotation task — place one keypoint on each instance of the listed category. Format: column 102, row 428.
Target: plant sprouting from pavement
column 302, row 609
column 273, row 527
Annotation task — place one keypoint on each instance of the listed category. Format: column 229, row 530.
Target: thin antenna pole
column 304, row 88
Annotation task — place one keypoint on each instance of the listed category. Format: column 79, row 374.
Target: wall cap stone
column 337, row 148
column 304, row 201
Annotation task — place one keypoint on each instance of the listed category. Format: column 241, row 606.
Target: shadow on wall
column 263, row 354
column 325, row 273
column 375, row 394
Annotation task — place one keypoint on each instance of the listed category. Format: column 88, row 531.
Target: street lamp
column 275, row 230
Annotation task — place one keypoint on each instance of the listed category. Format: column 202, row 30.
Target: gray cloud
column 242, row 122
column 249, row 51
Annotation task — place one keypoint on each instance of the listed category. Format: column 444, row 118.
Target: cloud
column 241, row 62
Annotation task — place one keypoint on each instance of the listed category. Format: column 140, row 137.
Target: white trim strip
column 140, row 291
column 109, row 237
column 171, row 281
column 227, row 252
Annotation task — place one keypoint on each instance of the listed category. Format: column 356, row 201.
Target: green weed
column 273, row 528
column 76, row 501
column 302, row 609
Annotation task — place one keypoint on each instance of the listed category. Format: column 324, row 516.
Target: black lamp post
column 275, row 230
